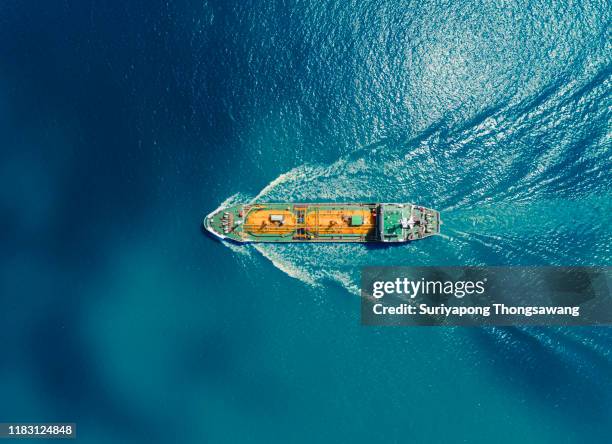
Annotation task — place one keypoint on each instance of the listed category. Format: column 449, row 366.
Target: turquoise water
column 122, row 125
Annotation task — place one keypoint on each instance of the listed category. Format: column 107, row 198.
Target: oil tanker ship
column 323, row 222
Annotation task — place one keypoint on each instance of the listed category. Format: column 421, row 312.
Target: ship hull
column 323, row 222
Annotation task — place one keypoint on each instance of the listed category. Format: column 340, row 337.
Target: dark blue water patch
column 555, row 372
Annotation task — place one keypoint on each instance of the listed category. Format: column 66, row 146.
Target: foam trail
column 501, row 204
column 285, row 266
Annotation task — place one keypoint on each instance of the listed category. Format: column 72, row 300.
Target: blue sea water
column 123, row 123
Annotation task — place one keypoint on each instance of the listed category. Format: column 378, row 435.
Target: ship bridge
column 406, row 222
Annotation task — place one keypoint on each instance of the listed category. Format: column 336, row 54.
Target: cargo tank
column 323, row 222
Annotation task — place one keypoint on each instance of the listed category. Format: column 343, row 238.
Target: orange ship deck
column 317, row 221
